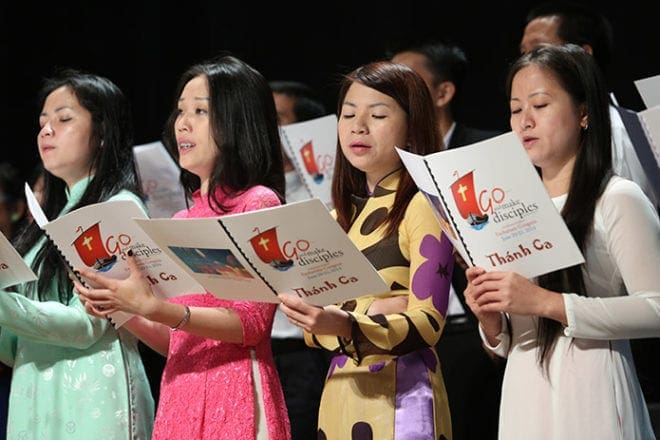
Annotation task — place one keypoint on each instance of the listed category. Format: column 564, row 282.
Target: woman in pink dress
column 219, row 381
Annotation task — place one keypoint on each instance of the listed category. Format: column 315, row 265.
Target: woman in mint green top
column 74, row 375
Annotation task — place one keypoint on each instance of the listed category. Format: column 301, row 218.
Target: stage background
column 145, row 46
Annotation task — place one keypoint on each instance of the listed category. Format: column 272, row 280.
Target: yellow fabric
column 354, row 393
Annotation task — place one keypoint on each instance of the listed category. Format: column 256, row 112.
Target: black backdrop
column 144, row 46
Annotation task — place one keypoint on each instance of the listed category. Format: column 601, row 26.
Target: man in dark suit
column 463, row 135
column 443, row 67
column 472, row 377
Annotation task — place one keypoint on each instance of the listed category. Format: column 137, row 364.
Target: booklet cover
column 98, row 236
column 311, row 146
column 491, row 203
column 644, row 131
column 296, row 248
column 159, row 179
column 13, row 269
column 649, row 90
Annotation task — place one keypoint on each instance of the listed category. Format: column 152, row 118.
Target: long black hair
column 112, row 169
column 243, row 126
column 579, row 75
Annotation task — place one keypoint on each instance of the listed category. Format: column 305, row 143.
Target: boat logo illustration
column 268, row 249
column 465, row 197
column 90, row 248
column 307, row 154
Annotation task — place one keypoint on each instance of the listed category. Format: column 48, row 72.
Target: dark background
column 145, row 46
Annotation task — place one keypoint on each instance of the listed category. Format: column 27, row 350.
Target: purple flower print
column 433, row 277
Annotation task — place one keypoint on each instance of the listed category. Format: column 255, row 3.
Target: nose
column 359, row 125
column 182, row 123
column 46, row 130
column 526, row 120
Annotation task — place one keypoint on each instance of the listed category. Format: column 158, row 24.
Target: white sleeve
column 632, row 233
column 502, row 348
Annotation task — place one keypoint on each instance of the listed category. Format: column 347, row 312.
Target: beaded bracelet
column 186, row 317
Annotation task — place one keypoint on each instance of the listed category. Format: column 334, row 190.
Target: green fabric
column 75, row 376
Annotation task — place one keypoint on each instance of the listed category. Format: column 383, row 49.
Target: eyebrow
column 57, row 110
column 377, row 104
column 197, row 98
column 541, row 92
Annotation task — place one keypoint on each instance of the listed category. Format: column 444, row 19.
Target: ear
column 588, row 49
column 444, row 93
column 584, row 117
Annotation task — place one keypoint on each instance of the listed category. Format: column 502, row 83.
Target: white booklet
column 492, row 205
column 13, row 269
column 649, row 90
column 159, row 179
column 98, row 236
column 644, row 131
column 298, row 248
column 311, row 146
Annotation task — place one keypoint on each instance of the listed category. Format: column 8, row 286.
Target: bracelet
column 184, row 320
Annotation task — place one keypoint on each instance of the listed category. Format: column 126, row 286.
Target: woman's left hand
column 509, row 292
column 328, row 320
column 389, row 305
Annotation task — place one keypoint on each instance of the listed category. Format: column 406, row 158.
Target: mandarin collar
column 74, row 193
column 388, row 184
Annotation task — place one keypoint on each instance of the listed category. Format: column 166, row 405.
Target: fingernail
column 130, row 252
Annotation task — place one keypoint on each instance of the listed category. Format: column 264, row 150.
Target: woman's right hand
column 491, row 322
column 328, row 320
column 132, row 295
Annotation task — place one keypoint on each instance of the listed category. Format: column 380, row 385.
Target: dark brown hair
column 409, row 90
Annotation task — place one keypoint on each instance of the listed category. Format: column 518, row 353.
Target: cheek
column 565, row 129
column 80, row 145
column 393, row 157
column 343, row 140
column 513, row 123
column 88, row 154
column 342, row 130
column 388, row 138
column 398, row 135
column 210, row 158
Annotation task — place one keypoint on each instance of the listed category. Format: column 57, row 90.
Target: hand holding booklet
column 98, row 236
column 491, row 203
column 297, row 249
